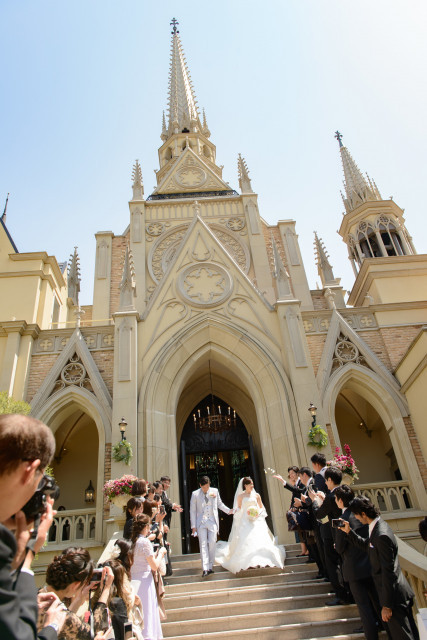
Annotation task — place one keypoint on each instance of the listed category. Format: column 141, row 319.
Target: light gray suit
column 204, row 518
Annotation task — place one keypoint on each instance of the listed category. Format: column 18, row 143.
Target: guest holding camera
column 355, row 564
column 395, row 595
column 70, row 576
column 26, row 448
column 325, row 509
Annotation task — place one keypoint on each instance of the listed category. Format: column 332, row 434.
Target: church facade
column 206, row 340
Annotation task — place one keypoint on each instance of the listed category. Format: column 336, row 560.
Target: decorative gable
column 190, row 174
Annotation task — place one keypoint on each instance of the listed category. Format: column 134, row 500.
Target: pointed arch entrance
column 245, row 376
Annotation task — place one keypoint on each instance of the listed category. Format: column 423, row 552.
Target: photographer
column 70, row 576
column 26, row 448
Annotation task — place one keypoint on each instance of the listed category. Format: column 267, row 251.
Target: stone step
column 330, row 628
column 225, row 581
column 246, row 607
column 194, row 575
column 190, row 567
column 290, row 548
column 240, row 594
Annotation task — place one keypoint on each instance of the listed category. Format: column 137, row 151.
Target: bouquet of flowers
column 345, row 462
column 118, row 487
column 252, row 513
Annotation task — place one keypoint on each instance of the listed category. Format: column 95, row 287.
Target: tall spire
column 243, row 171
column 127, row 284
column 73, row 277
column 5, row 209
column 182, row 107
column 358, row 189
column 137, row 186
column 324, row 267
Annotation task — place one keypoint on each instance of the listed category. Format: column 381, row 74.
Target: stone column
column 101, row 289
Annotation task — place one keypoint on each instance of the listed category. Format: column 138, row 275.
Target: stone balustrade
column 72, row 525
column 388, row 496
column 414, row 567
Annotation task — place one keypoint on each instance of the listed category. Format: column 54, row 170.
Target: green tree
column 9, row 405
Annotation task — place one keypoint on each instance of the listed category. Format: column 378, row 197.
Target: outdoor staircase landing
column 261, row 604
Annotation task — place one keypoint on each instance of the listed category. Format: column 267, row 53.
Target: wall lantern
column 122, row 426
column 90, row 493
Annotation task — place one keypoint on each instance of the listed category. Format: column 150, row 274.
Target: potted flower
column 345, row 462
column 118, row 491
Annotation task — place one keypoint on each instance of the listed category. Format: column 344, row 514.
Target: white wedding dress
column 251, row 543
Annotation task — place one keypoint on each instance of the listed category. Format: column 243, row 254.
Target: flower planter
column 121, row 500
column 347, row 479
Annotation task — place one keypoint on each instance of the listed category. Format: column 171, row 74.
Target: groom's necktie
column 206, row 498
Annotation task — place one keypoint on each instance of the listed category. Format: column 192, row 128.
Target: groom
column 204, row 506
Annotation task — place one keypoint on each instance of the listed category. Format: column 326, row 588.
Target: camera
column 36, row 505
column 96, row 575
column 162, row 509
column 338, row 523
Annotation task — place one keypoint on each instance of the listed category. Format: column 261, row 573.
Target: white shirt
column 372, row 525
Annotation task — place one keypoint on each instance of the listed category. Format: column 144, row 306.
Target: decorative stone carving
column 54, row 343
column 204, row 285
column 165, row 248
column 357, row 321
column 73, row 373
column 235, row 224
column 190, row 176
column 345, row 352
column 154, row 228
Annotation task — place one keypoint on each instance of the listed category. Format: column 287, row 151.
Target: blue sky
column 84, row 84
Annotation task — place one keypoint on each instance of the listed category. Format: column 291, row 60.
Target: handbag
column 162, row 565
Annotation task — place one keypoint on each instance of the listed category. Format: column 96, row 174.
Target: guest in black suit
column 318, row 462
column 356, row 567
column 325, row 509
column 26, row 448
column 395, row 595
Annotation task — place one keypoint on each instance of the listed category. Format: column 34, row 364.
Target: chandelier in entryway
column 214, row 417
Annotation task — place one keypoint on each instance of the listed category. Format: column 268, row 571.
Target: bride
column 251, row 543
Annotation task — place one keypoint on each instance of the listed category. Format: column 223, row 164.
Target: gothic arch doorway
column 214, row 443
column 360, row 426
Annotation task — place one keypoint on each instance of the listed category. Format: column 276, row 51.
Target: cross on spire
column 173, row 25
column 338, row 136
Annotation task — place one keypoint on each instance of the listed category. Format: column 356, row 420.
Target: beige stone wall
column 375, row 341
column 118, row 249
column 107, row 475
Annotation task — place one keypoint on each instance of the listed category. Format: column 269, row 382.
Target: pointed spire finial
column 137, row 186
column 324, row 267
column 243, row 171
column 73, row 277
column 338, row 136
column 5, row 209
column 205, row 128
column 164, row 134
column 174, row 24
column 127, row 284
column 358, row 189
column 182, row 103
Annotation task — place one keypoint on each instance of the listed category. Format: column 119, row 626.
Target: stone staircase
column 255, row 604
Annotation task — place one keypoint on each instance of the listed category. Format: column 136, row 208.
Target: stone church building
column 205, row 337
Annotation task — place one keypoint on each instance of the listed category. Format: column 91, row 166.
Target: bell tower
column 380, row 247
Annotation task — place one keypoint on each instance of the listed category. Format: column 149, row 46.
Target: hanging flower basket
column 118, row 491
column 122, row 452
column 317, row 437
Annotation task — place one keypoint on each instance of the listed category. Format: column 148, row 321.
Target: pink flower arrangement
column 119, row 486
column 345, row 462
